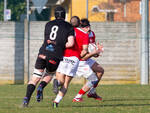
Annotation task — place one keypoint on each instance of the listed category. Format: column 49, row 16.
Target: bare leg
column 99, row 72
column 63, row 89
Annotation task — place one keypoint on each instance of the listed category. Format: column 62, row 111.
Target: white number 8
column 53, row 33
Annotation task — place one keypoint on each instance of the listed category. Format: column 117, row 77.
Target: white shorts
column 84, row 69
column 90, row 62
column 68, row 66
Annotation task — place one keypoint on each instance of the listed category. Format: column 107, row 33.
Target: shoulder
column 79, row 30
column 50, row 22
column 91, row 34
column 68, row 24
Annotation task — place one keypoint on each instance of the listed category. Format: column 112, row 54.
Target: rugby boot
column 25, row 102
column 95, row 96
column 77, row 100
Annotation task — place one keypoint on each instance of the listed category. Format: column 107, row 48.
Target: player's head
column 85, row 24
column 60, row 12
column 75, row 21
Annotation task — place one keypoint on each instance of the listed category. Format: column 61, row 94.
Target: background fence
column 116, row 24
column 121, row 58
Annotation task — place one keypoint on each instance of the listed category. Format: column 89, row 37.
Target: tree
column 1, row 10
column 17, row 7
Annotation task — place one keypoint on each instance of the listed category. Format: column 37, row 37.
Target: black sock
column 43, row 84
column 30, row 90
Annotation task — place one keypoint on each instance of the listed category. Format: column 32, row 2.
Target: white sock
column 58, row 98
column 78, row 96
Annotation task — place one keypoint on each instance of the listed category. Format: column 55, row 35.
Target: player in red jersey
column 83, row 65
column 83, row 71
column 67, row 68
column 96, row 67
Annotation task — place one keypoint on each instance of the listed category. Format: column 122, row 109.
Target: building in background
column 98, row 10
column 126, row 10
column 103, row 10
column 79, row 8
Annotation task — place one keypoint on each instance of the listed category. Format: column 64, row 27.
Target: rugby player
column 75, row 21
column 68, row 67
column 58, row 35
column 82, row 71
column 65, row 71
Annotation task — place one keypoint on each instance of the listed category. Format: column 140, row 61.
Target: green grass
column 116, row 99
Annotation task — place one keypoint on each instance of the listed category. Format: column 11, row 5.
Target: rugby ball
column 92, row 47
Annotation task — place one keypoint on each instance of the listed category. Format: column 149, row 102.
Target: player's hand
column 96, row 52
column 96, row 55
column 48, row 41
column 42, row 56
column 100, row 47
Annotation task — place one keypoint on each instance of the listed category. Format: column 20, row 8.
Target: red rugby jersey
column 81, row 38
column 91, row 37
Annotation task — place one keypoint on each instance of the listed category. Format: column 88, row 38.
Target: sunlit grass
column 116, row 99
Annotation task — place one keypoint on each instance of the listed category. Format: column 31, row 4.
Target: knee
column 61, row 78
column 92, row 83
column 34, row 81
column 100, row 71
column 61, row 82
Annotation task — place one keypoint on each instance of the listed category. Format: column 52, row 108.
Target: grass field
column 116, row 99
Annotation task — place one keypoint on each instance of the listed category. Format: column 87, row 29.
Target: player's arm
column 94, row 53
column 70, row 42
column 71, row 38
column 84, row 51
column 89, row 55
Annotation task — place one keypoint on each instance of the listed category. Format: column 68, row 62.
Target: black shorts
column 50, row 64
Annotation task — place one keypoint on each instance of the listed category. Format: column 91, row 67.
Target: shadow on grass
column 102, row 104
column 80, row 106
column 133, row 99
column 117, row 105
column 77, row 106
column 110, row 105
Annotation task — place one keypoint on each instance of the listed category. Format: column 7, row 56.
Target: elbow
column 68, row 45
column 70, row 42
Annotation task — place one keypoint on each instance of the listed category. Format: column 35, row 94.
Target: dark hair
column 75, row 21
column 60, row 12
column 84, row 22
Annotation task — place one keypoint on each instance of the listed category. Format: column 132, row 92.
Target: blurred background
column 96, row 10
column 116, row 23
